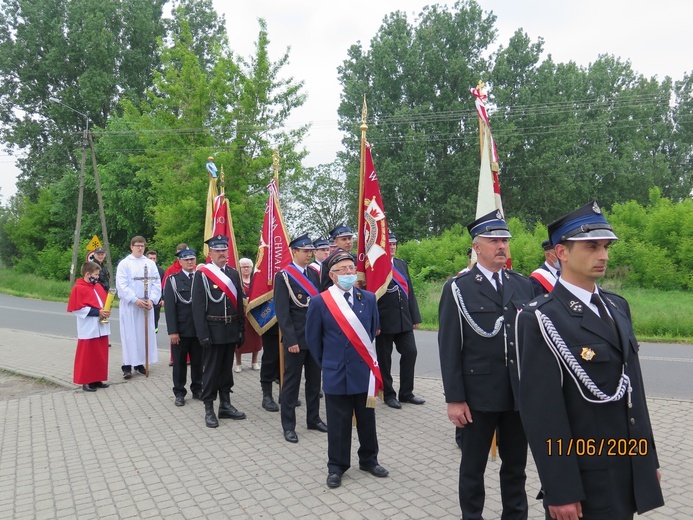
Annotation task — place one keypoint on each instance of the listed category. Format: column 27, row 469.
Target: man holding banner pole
column 294, row 286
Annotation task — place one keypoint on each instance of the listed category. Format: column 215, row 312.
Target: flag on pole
column 273, row 255
column 212, row 193
column 223, row 225
column 374, row 264
column 488, row 195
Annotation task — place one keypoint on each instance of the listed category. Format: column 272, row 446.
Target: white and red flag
column 488, row 195
column 373, row 264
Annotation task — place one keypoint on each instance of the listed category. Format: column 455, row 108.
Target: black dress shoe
column 89, row 388
column 334, row 480
column 376, row 471
column 290, row 436
column 127, row 375
column 393, row 403
column 180, row 401
column 197, row 396
column 100, row 384
column 320, row 426
column 141, row 369
column 414, row 400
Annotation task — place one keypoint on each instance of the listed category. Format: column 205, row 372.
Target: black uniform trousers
column 179, row 355
column 293, row 369
column 217, row 373
column 269, row 369
column 340, row 411
column 512, row 449
column 406, row 346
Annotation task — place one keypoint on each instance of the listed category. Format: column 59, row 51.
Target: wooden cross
column 145, row 279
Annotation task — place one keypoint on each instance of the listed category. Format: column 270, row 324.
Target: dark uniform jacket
column 553, row 410
column 104, row 275
column 482, row 372
column 206, row 313
column 398, row 313
column 179, row 315
column 537, row 286
column 290, row 315
column 344, row 372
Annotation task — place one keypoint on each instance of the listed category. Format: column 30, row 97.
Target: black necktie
column 347, row 297
column 603, row 314
column 499, row 285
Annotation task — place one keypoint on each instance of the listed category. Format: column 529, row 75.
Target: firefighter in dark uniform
column 476, row 340
column 219, row 324
column 544, row 277
column 399, row 316
column 582, row 399
column 293, row 288
column 342, row 237
column 181, row 328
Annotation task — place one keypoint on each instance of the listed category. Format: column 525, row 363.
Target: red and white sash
column 545, row 278
column 357, row 335
column 218, row 276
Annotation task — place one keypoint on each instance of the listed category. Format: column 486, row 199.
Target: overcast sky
column 654, row 37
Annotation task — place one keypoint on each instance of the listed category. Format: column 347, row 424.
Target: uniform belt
column 222, row 319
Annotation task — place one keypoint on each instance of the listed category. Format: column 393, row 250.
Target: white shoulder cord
column 457, row 295
column 177, row 295
column 291, row 292
column 563, row 354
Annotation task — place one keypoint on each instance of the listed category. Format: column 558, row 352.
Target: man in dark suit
column 342, row 237
column 399, row 316
column 544, row 277
column 218, row 315
column 294, row 286
column 476, row 340
column 181, row 328
column 340, row 327
column 582, row 399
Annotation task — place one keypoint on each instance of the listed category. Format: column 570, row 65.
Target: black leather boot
column 210, row 418
column 226, row 409
column 267, row 399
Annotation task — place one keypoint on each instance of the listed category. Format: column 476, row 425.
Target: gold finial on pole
column 364, row 115
column 222, row 182
column 275, row 166
column 480, row 86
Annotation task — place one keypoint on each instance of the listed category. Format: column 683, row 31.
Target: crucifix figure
column 146, row 279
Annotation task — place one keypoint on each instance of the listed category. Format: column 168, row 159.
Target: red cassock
column 91, row 358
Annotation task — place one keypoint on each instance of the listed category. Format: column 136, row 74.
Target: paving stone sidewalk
column 127, row 452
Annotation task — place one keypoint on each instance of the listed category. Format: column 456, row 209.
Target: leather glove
column 241, row 340
column 206, row 343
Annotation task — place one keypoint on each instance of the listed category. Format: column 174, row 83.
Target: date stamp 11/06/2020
column 597, row 447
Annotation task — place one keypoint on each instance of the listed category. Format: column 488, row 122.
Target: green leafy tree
column 82, row 52
column 416, row 80
column 314, row 203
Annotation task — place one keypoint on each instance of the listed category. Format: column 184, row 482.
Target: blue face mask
column 93, row 280
column 346, row 281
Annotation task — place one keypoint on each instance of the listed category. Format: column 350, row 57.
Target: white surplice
column 132, row 317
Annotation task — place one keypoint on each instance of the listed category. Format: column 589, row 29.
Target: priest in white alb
column 134, row 307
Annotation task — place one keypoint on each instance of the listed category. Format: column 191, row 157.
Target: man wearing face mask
column 544, row 277
column 341, row 324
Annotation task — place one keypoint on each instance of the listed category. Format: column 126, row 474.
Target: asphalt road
column 667, row 368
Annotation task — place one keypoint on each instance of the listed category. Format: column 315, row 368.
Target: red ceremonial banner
column 374, row 264
column 273, row 255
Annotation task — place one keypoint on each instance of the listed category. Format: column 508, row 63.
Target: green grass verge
column 658, row 316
